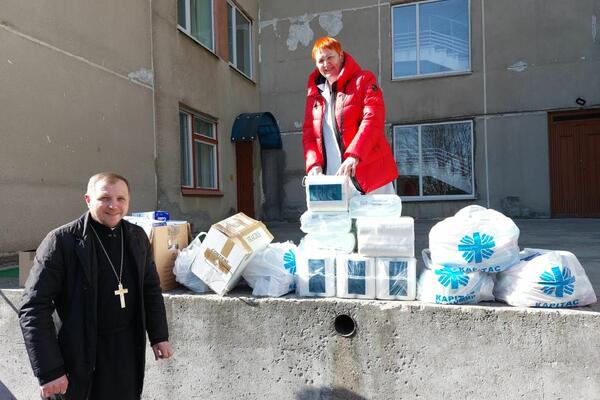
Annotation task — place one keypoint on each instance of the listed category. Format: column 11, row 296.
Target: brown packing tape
column 227, row 247
column 216, row 259
column 236, row 225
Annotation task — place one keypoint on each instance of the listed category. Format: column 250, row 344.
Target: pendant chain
column 108, row 258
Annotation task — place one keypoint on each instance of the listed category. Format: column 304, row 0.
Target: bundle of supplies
column 545, row 278
column 395, row 278
column 476, row 238
column 183, row 266
column 327, row 192
column 355, row 276
column 226, row 250
column 333, row 242
column 375, row 205
column 272, row 270
column 316, row 273
column 321, row 222
column 447, row 284
column 167, row 238
column 386, row 236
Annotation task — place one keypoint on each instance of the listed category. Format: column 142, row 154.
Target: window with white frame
column 195, row 18
column 240, row 40
column 199, row 156
column 435, row 161
column 431, row 38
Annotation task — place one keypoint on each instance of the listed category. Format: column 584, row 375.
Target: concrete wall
column 527, row 58
column 71, row 105
column 188, row 74
column 246, row 348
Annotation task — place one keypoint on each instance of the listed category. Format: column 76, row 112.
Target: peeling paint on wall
column 300, row 33
column 331, row 22
column 142, row 75
column 519, row 66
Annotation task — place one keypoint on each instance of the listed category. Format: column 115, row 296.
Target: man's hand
column 316, row 170
column 348, row 167
column 162, row 350
column 57, row 386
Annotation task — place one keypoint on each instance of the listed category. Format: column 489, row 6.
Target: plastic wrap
column 375, row 205
column 337, row 243
column 386, row 237
column 396, row 278
column 316, row 274
column 355, row 277
column 325, row 222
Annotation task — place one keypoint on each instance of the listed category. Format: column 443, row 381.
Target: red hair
column 326, row 42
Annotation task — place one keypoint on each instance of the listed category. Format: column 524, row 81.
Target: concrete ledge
column 241, row 347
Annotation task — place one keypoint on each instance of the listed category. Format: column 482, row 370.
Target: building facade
column 487, row 102
column 149, row 89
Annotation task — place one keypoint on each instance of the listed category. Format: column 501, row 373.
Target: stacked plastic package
column 327, row 225
column 474, row 256
column 383, row 266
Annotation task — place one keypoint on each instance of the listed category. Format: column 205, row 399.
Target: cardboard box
column 166, row 242
column 25, row 263
column 226, row 250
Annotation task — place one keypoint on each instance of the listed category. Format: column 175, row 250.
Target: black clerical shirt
column 111, row 317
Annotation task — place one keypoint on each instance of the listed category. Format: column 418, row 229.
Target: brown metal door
column 575, row 163
column 245, row 181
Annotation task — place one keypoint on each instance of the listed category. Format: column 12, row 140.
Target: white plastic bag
column 451, row 285
column 545, row 278
column 183, row 265
column 272, row 270
column 338, row 243
column 375, row 205
column 476, row 237
column 323, row 222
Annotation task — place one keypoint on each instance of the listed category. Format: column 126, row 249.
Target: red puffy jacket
column 360, row 119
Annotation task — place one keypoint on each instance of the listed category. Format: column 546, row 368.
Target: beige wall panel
column 111, row 33
column 62, row 121
column 189, row 74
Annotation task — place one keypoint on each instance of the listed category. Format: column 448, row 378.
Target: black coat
column 64, row 278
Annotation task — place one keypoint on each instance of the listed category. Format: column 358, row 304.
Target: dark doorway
column 574, row 145
column 245, row 177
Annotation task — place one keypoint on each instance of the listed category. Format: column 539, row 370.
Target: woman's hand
column 348, row 167
column 316, row 170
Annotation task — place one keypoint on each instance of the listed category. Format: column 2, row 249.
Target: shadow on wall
column 327, row 394
column 5, row 394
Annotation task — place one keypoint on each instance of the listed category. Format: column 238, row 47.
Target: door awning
column 248, row 126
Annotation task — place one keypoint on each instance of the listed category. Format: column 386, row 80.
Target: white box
column 226, row 250
column 355, row 276
column 327, row 193
column 396, row 278
column 386, row 237
column 316, row 274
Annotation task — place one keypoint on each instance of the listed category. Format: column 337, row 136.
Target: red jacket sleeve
column 373, row 117
column 312, row 154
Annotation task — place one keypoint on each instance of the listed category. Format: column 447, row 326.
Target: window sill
column 205, row 47
column 242, row 73
column 201, row 192
column 430, row 76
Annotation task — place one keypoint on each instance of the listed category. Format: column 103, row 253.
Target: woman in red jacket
column 344, row 122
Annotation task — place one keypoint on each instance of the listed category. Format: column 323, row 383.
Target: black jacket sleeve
column 154, row 305
column 35, row 316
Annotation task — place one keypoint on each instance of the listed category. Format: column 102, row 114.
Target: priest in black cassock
column 98, row 274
